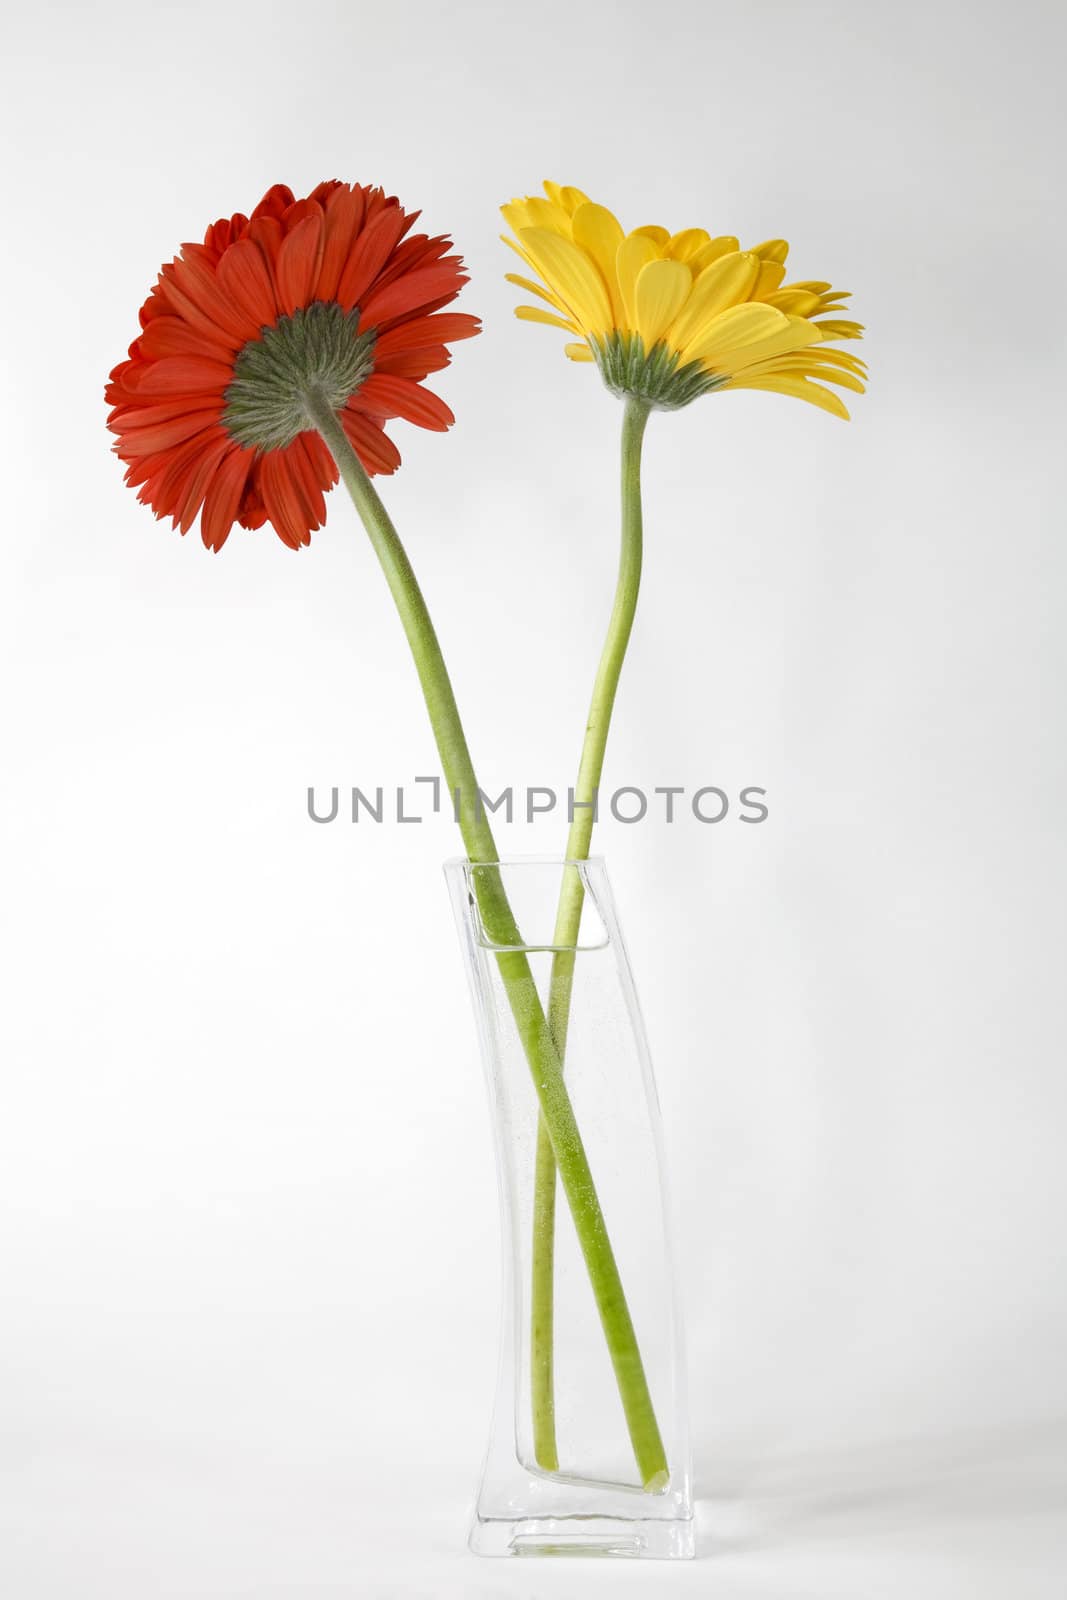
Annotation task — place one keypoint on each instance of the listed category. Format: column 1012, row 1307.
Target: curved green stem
column 557, row 1113
column 568, row 921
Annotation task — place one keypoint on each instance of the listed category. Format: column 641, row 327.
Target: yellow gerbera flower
column 668, row 317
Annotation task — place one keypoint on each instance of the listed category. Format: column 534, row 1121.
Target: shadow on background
column 776, row 1497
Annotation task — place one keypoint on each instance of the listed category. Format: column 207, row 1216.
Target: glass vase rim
column 596, row 860
column 595, row 930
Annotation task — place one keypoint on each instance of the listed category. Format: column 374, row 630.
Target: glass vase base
column 615, row 1537
column 591, row 1370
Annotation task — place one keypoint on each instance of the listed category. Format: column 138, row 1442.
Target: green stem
column 568, row 921
column 557, row 1113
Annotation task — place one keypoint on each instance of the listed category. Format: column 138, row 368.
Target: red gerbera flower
column 324, row 293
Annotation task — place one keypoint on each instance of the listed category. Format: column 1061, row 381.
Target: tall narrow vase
column 591, row 1359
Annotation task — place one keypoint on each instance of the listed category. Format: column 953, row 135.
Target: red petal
column 195, row 277
column 369, row 255
column 418, row 251
column 199, row 478
column 412, row 291
column 178, row 300
column 154, row 306
column 323, row 191
column 124, row 417
column 223, row 498
column 386, row 396
column 419, row 333
column 222, row 234
column 175, row 375
column 315, row 480
column 161, row 436
column 306, row 482
column 377, row 452
column 417, row 364
column 252, row 513
column 375, row 200
column 322, row 463
column 284, row 509
column 244, row 275
column 298, row 262
column 266, row 234
column 424, row 311
column 171, row 336
column 155, row 469
column 170, row 485
column 298, row 211
column 344, row 218
column 143, row 467
column 278, row 198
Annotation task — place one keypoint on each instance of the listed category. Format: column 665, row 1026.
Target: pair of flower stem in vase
column 269, row 359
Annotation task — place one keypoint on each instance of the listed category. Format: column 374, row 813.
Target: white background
column 249, row 1246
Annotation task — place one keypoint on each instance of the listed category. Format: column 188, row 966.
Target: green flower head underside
column 316, row 349
column 659, row 377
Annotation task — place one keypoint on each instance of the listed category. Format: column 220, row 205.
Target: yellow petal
column 534, row 288
column 565, row 196
column 658, row 235
column 816, row 285
column 800, row 389
column 598, row 232
column 733, row 333
column 788, row 334
column 771, row 249
column 770, row 277
column 832, row 309
column 796, row 302
column 535, row 314
column 840, row 330
column 513, row 244
column 570, row 273
column 847, row 380
column 683, row 246
column 725, row 283
column 578, row 352
column 533, row 212
column 635, row 251
column 724, row 245
column 570, row 199
column 527, row 283
column 661, row 291
column 734, row 330
column 803, row 364
column 839, row 358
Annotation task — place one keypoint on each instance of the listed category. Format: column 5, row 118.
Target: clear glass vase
column 588, row 1450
